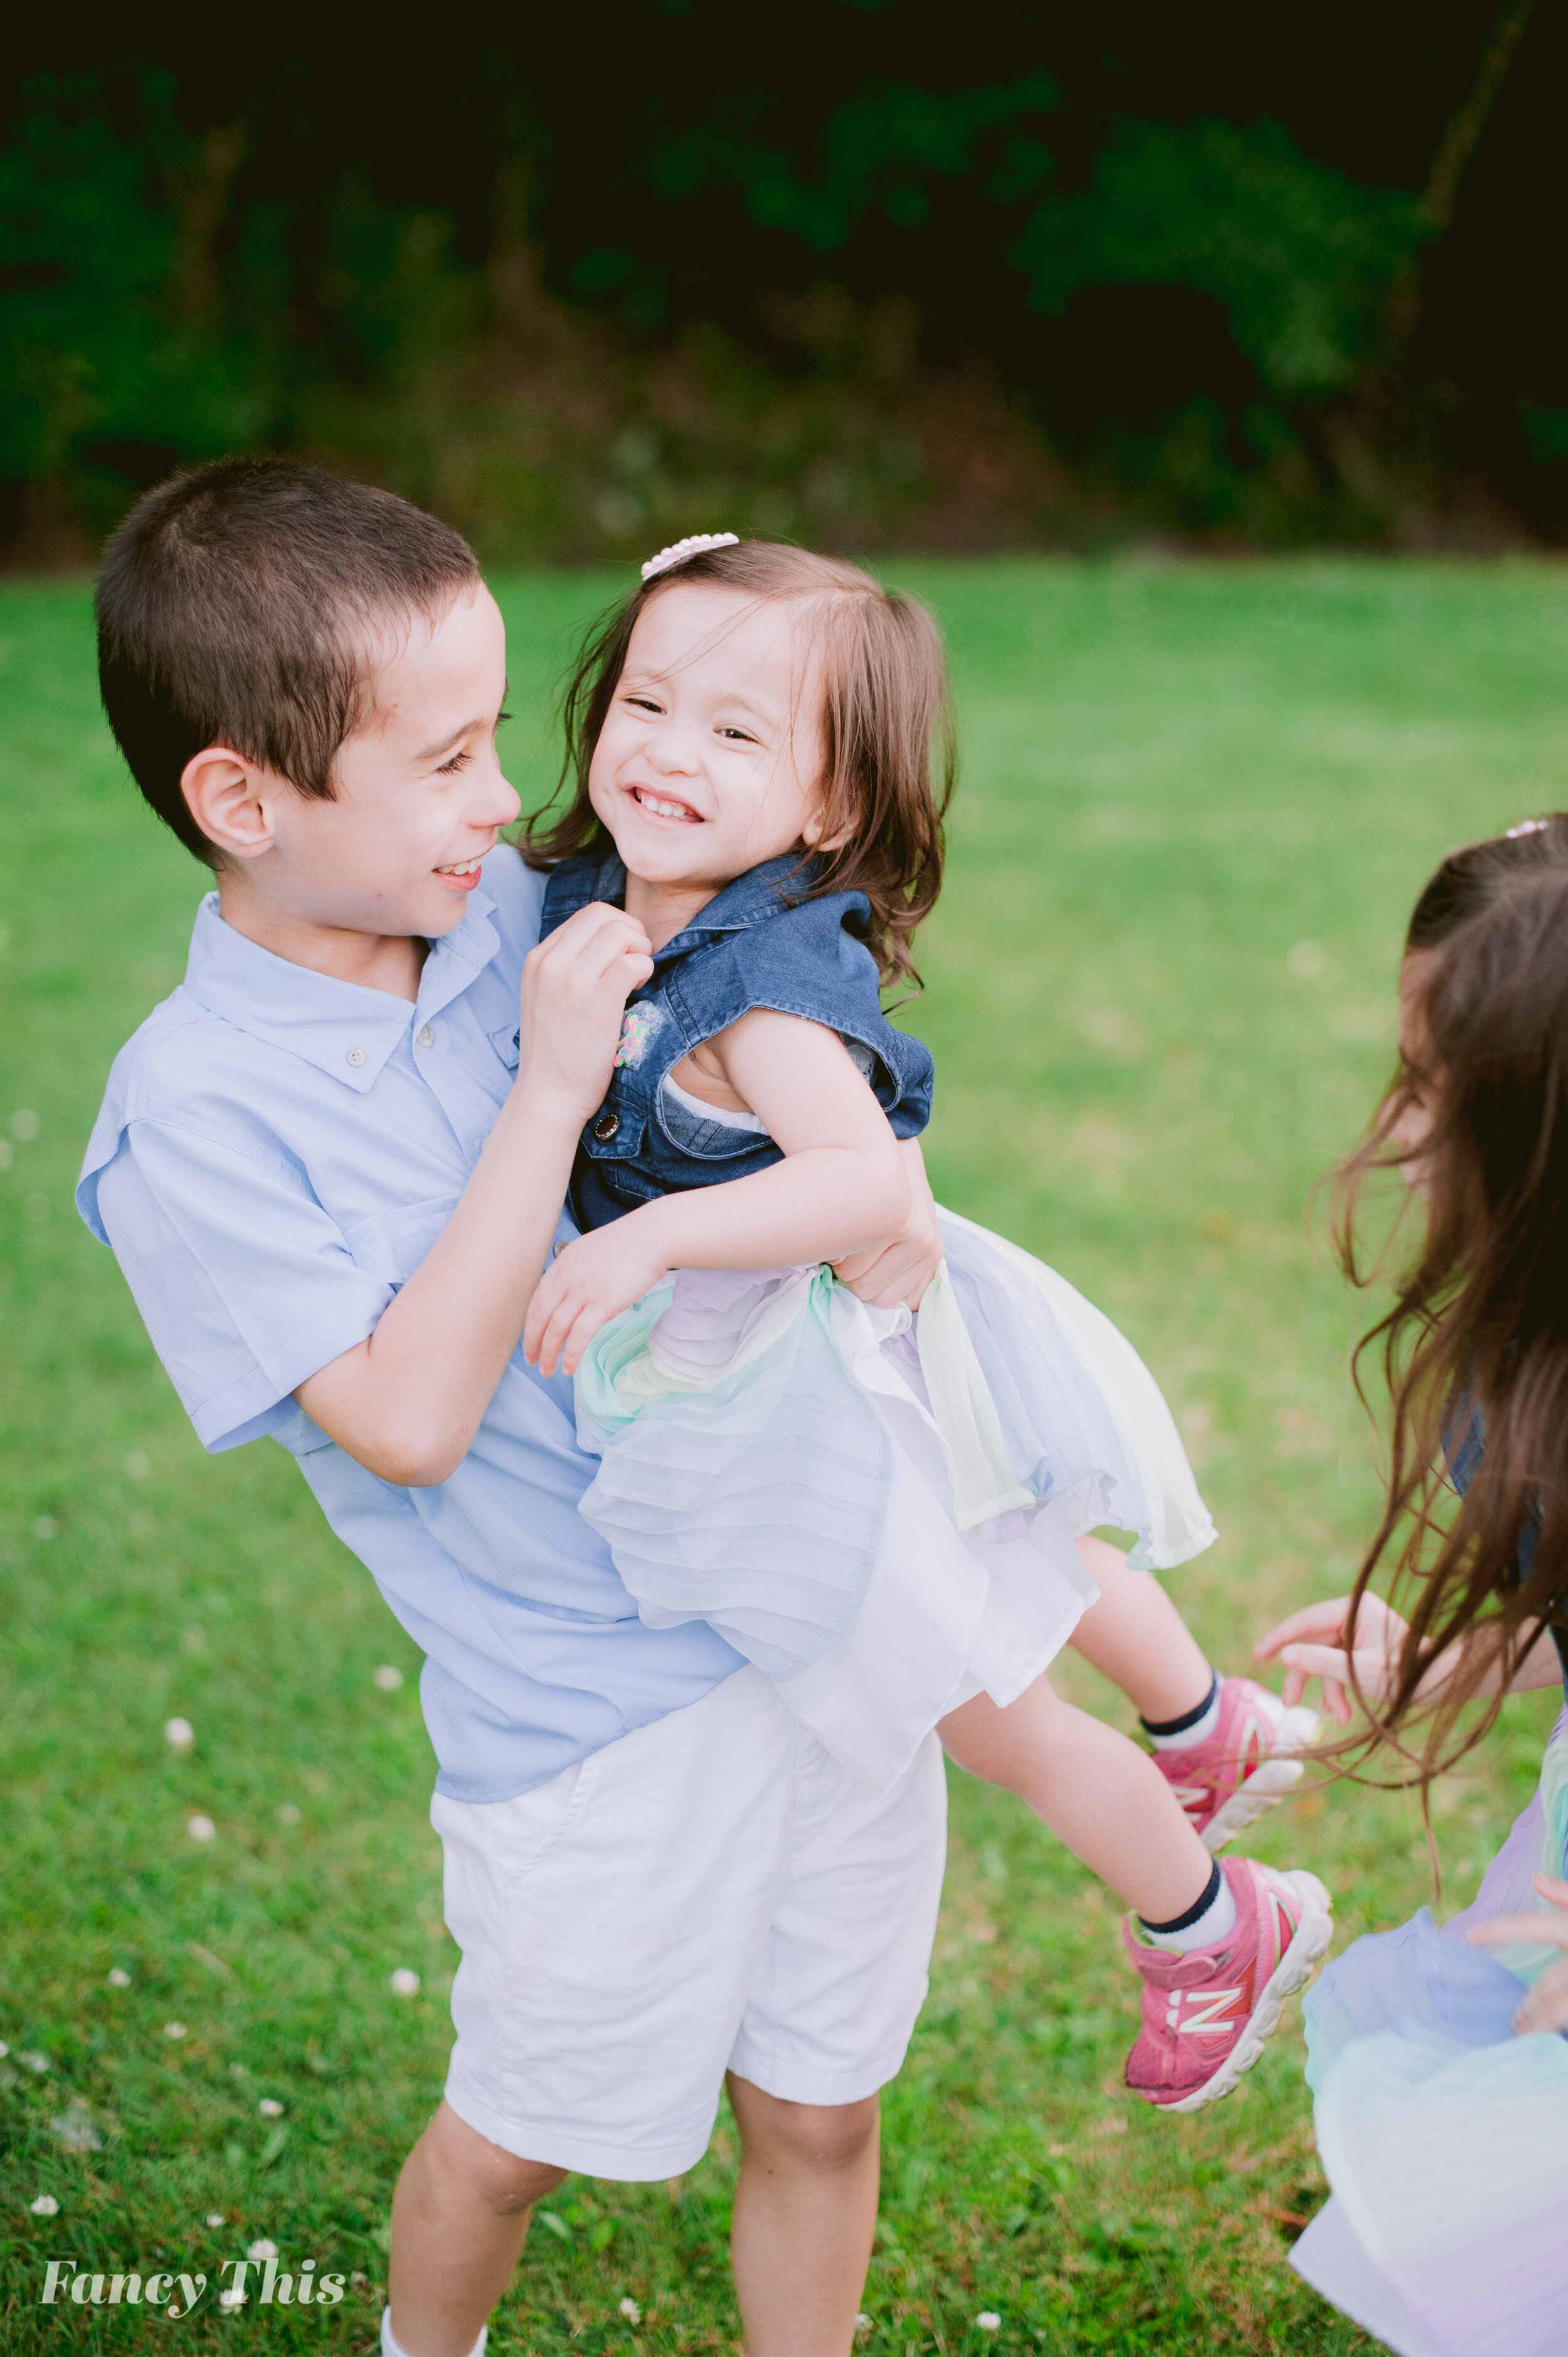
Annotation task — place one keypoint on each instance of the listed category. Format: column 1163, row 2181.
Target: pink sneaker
column 1208, row 2014
column 1245, row 1766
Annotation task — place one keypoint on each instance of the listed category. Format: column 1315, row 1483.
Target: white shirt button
column 356, row 1057
column 427, row 1037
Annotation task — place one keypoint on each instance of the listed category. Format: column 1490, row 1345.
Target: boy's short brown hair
column 240, row 605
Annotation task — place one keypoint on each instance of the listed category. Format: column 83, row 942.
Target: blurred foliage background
column 873, row 275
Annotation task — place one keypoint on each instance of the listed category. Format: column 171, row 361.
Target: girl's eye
column 643, row 703
column 455, row 766
column 742, row 736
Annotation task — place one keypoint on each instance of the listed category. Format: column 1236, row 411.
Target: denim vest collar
column 750, row 900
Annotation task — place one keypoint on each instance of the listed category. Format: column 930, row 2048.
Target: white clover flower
column 173, row 2029
column 863, row 2322
column 388, row 1679
column 215, row 2218
column 286, row 1814
column 631, row 2310
column 119, row 1977
column 201, row 1828
column 988, row 2320
column 45, row 1527
column 178, row 1734
column 270, row 2108
column 232, row 2298
column 46, row 2206
column 262, row 2249
column 4, row 2049
column 404, row 1983
column 36, row 2061
column 138, row 1464
column 24, row 1125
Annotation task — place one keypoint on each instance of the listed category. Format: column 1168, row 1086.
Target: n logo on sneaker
column 1202, row 2011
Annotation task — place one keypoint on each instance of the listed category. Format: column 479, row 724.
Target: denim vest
column 749, row 947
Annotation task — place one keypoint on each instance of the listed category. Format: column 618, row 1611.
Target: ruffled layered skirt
column 1444, row 2136
column 878, row 1511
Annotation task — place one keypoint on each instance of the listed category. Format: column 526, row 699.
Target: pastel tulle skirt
column 1444, row 2136
column 878, row 1511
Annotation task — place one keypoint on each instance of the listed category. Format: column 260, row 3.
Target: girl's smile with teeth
column 658, row 807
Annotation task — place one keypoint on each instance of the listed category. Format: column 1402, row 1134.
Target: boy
column 331, row 1166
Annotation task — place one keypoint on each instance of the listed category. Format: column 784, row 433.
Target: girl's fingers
column 1319, row 1621
column 1550, row 1887
column 1546, row 2004
column 1515, row 1931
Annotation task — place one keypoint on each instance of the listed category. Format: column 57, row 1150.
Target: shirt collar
column 343, row 1028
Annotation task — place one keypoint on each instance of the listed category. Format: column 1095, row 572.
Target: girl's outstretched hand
column 592, row 1280
column 1314, row 1643
column 1546, row 2004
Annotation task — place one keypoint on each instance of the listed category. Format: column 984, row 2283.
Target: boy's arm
column 842, row 1186
column 406, row 1402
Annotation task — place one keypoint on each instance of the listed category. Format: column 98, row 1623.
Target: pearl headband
column 695, row 545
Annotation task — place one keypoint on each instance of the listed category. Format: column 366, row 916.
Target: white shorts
column 710, row 1893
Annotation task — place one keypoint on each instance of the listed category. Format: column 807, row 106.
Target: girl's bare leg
column 1135, row 1637
column 1098, row 1793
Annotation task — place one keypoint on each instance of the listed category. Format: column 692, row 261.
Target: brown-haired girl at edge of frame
column 891, row 1520
column 1440, row 2075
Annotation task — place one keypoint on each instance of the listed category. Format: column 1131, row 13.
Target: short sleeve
column 244, row 1283
column 807, row 961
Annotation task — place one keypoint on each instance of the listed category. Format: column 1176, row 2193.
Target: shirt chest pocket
column 392, row 1245
column 507, row 1044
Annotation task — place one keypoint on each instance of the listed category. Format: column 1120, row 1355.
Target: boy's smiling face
column 354, row 884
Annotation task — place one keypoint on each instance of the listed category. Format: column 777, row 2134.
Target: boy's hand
column 1546, row 2004
column 901, row 1269
column 575, row 989
column 1313, row 1645
column 592, row 1281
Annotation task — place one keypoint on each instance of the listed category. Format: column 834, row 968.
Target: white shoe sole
column 1293, row 1972
column 1266, row 1785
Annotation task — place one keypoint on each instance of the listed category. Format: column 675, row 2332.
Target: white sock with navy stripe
column 390, row 2347
column 1213, row 1915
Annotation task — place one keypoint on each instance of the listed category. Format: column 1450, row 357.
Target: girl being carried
column 891, row 1517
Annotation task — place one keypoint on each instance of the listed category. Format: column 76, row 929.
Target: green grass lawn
column 1197, row 804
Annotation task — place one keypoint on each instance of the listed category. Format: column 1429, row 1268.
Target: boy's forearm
column 407, row 1402
column 815, row 1206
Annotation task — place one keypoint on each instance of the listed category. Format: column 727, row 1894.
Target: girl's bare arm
column 841, row 1188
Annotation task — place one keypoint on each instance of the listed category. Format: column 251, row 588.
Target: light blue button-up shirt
column 276, row 1152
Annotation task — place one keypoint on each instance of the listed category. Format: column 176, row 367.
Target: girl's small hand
column 575, row 989
column 1313, row 1645
column 901, row 1269
column 1546, row 2004
column 592, row 1281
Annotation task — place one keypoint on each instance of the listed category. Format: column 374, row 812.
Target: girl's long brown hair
column 1475, row 1344
column 887, row 726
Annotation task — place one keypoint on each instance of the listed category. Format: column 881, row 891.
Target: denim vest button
column 605, row 1127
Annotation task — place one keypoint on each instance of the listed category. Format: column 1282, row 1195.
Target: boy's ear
column 227, row 796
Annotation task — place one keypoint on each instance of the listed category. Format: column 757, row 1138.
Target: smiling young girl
column 1441, row 2074
column 881, row 1514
